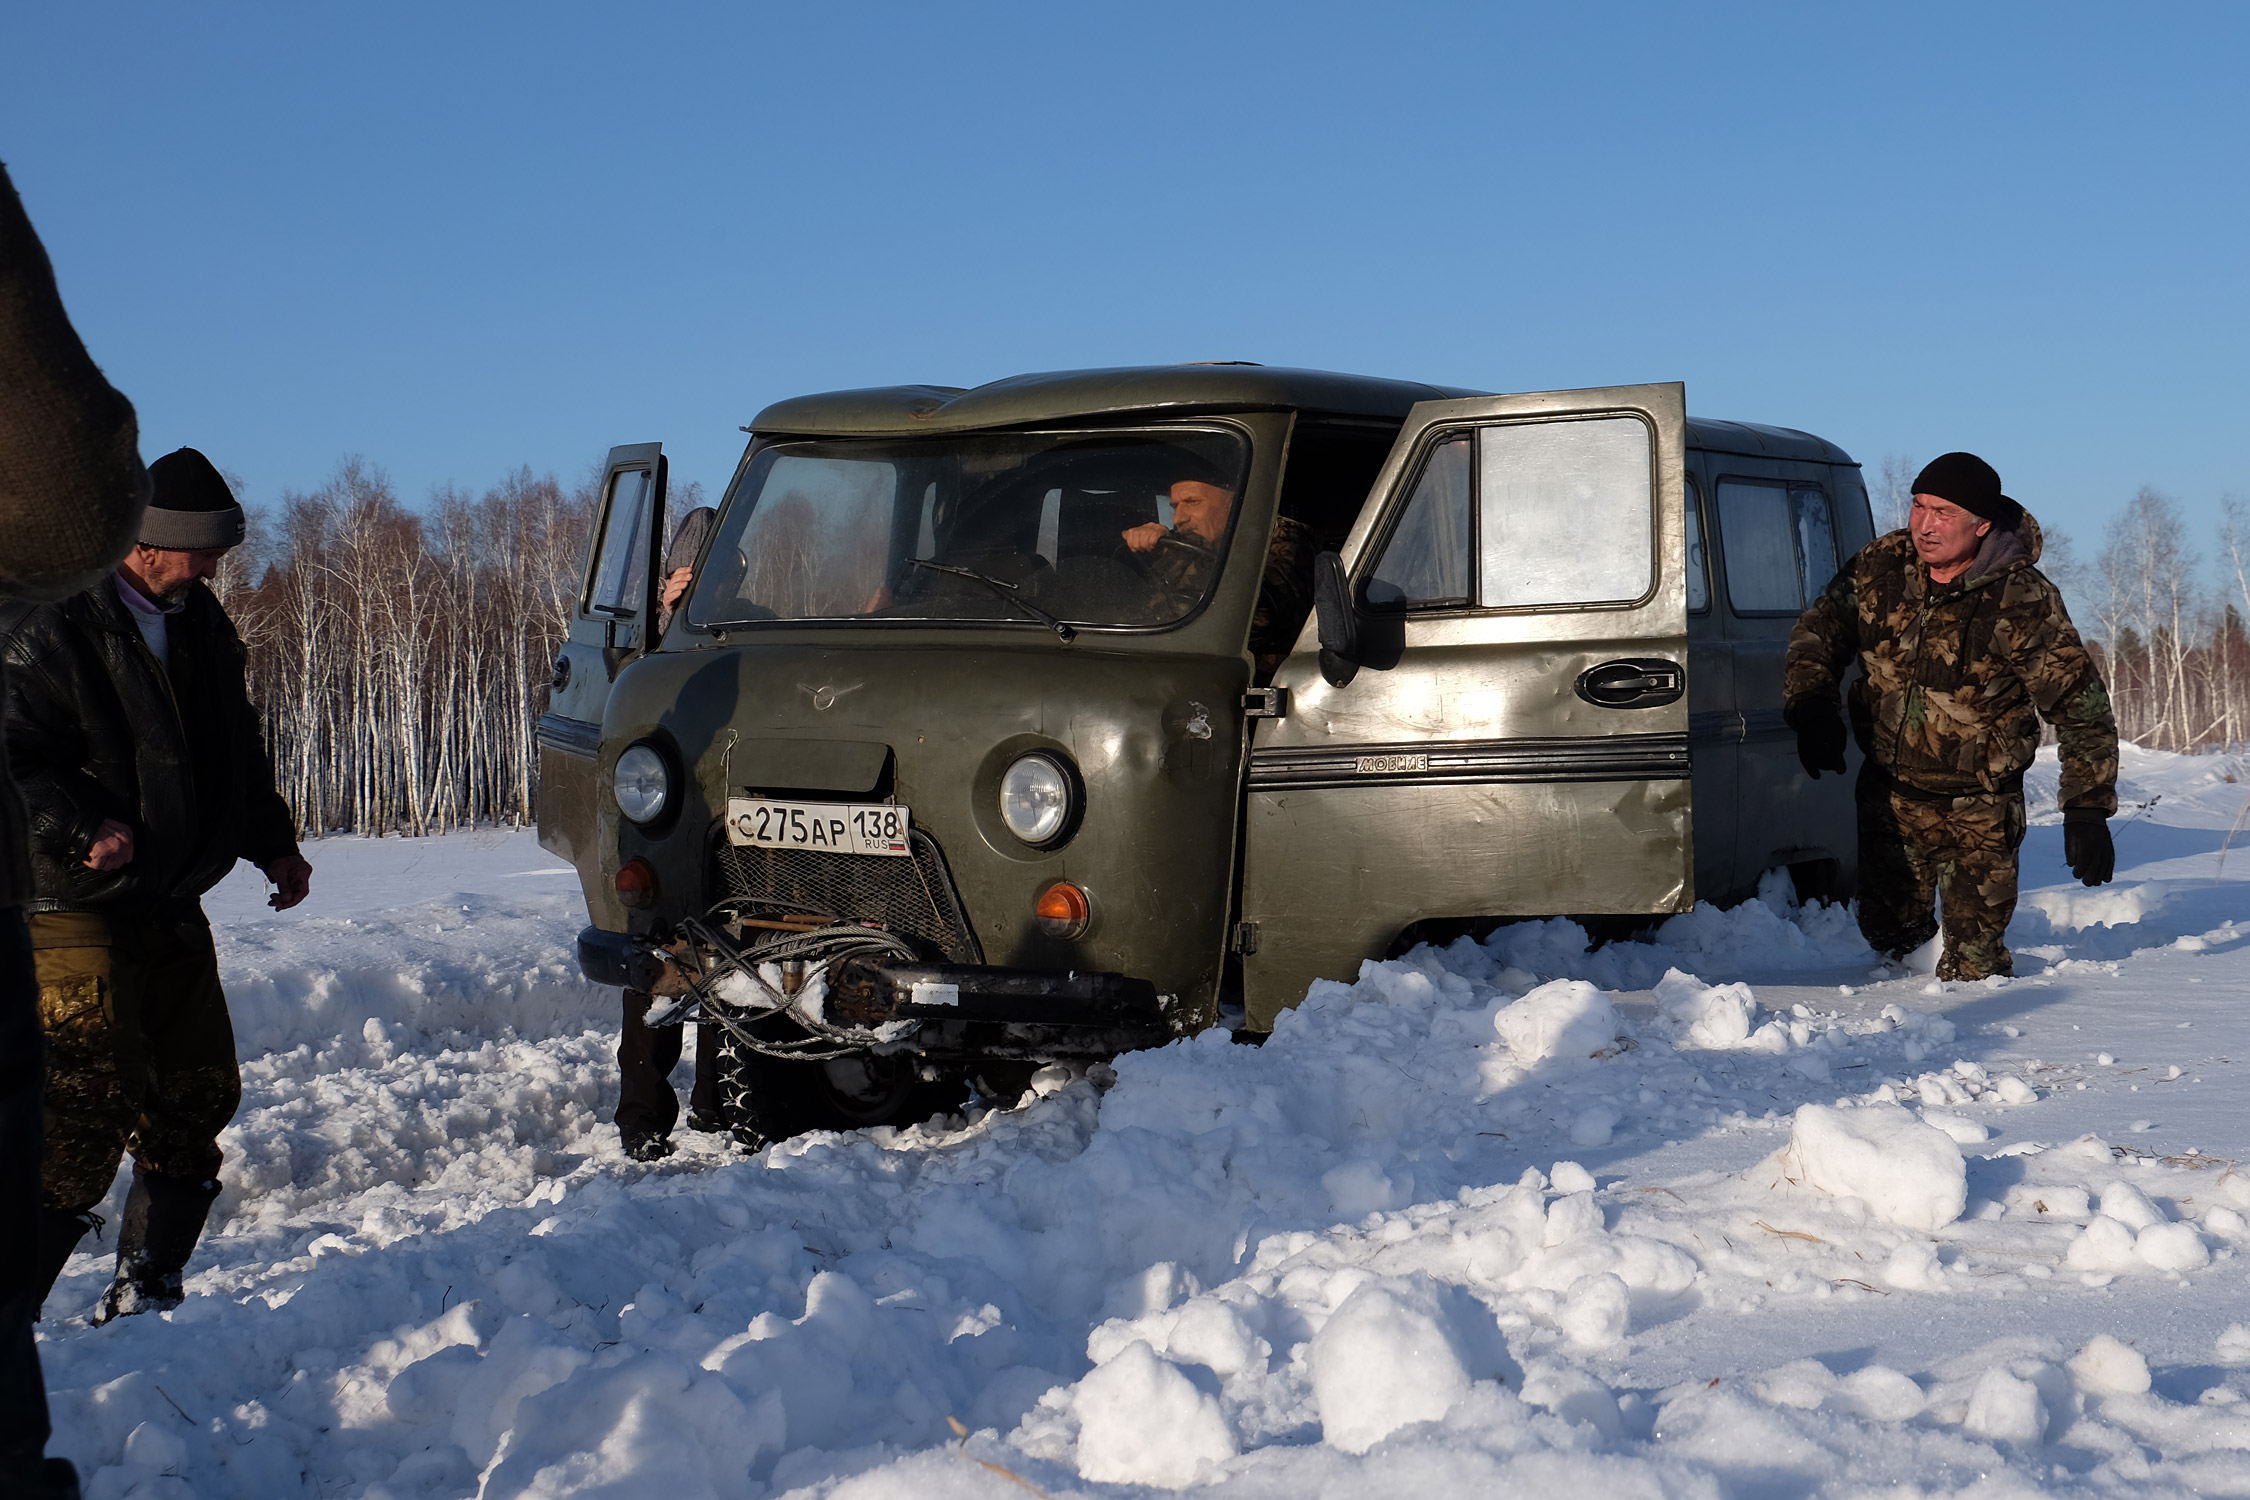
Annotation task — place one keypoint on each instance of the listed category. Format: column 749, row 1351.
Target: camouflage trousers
column 1957, row 853
column 140, row 1053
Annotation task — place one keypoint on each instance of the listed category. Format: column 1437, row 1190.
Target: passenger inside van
column 1180, row 558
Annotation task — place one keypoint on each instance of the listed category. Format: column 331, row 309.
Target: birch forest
column 401, row 655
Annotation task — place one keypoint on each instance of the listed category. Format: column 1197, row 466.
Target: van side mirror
column 1339, row 625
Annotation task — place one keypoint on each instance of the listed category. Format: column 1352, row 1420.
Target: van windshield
column 1118, row 528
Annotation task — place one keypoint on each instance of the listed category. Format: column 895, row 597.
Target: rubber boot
column 162, row 1221
column 59, row 1234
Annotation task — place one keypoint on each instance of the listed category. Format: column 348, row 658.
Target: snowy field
column 1720, row 1213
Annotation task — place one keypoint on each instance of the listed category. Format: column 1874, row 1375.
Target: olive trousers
column 1957, row 853
column 140, row 1053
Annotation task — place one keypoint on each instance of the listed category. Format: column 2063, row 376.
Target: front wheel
column 766, row 1099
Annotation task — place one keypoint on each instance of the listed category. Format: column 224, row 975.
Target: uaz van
column 960, row 756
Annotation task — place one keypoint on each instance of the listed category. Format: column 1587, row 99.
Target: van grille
column 912, row 897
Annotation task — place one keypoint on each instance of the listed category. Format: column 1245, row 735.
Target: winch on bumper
column 942, row 1011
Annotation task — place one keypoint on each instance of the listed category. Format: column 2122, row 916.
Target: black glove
column 2087, row 848
column 1820, row 737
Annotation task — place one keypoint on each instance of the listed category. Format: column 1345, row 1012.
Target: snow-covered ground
column 1718, row 1213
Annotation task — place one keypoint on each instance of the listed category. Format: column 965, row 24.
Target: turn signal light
column 636, row 884
column 1063, row 911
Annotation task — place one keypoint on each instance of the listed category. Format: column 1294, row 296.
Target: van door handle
column 1638, row 682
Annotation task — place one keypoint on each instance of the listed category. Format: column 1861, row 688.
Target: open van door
column 615, row 619
column 1497, row 725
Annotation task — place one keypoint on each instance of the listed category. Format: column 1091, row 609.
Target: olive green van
column 963, row 755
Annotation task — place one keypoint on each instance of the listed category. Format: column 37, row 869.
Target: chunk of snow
column 1965, row 1131
column 1802, row 1383
column 2129, row 1206
column 1565, row 1018
column 2069, row 908
column 1905, row 1171
column 2104, row 1245
column 1385, row 1359
column 1571, row 1216
column 2172, row 1247
column 2233, row 1345
column 1569, row 1177
column 1715, row 1017
column 1914, row 1267
column 1596, row 1310
column 1142, row 1421
column 1210, row 1333
column 1881, row 1394
column 2014, row 1090
column 2109, row 1367
column 2005, row 1408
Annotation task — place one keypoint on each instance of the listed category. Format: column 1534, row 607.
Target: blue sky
column 459, row 238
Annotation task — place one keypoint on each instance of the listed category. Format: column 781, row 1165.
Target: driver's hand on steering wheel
column 1144, row 538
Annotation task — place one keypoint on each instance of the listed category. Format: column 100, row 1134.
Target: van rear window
column 1779, row 543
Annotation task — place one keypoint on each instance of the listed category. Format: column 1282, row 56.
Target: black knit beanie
column 1971, row 483
column 192, row 510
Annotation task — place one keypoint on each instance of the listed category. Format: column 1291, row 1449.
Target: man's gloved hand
column 1820, row 737
column 2087, row 847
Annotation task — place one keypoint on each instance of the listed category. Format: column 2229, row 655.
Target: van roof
column 1021, row 400
column 1025, row 400
column 1760, row 441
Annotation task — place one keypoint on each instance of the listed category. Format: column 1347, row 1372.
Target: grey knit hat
column 192, row 510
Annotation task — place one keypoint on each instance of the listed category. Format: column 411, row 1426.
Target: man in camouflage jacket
column 1965, row 646
column 1180, row 559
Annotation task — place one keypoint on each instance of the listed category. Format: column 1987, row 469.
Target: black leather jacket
column 98, row 728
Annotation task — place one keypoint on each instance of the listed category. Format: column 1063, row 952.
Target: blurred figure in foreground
column 71, row 492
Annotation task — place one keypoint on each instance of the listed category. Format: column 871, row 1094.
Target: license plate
column 823, row 827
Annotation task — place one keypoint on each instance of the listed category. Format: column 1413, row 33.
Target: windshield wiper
column 1005, row 590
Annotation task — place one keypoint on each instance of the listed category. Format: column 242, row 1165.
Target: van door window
column 621, row 571
column 1779, row 541
column 1698, row 566
column 1427, row 561
column 1564, row 512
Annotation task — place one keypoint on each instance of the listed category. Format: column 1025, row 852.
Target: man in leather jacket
column 1964, row 647
column 145, row 777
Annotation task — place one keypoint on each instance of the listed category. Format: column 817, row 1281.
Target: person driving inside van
column 1179, row 558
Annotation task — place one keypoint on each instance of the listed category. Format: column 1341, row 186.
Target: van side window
column 1563, row 512
column 1779, row 541
column 1698, row 565
column 1427, row 561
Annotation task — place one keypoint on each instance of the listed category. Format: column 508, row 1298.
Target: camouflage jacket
column 1958, row 675
column 1181, row 567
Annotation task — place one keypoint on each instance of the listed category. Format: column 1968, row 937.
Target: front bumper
column 961, row 1011
column 619, row 958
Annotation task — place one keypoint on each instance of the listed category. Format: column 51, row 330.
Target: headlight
column 643, row 784
column 1035, row 798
